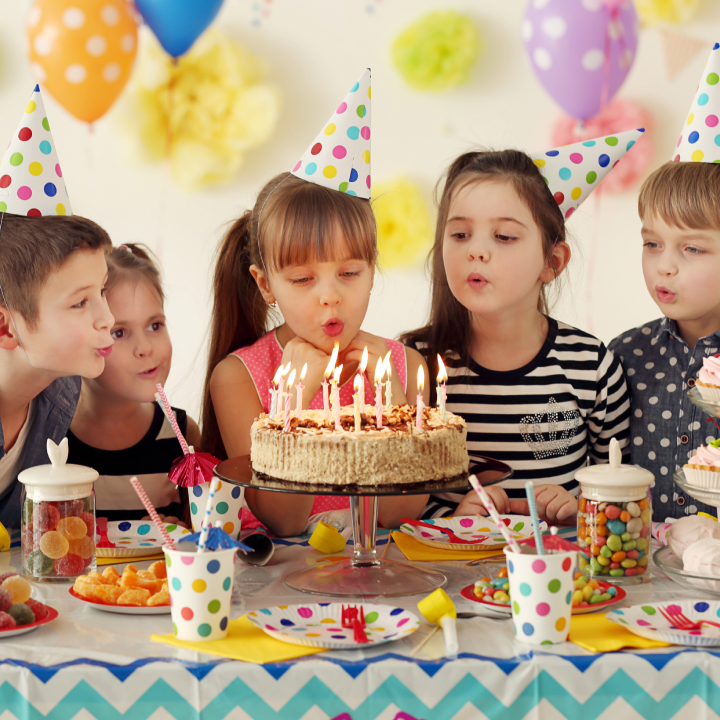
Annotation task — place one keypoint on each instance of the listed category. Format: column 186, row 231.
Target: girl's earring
column 273, row 304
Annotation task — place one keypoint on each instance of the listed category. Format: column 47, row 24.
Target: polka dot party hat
column 700, row 136
column 339, row 157
column 31, row 181
column 572, row 172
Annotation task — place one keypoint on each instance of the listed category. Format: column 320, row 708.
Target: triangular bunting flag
column 679, row 51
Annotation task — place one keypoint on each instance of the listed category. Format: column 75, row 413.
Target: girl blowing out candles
column 308, row 246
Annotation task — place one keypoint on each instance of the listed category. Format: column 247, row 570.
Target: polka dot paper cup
column 200, row 587
column 541, row 588
column 228, row 506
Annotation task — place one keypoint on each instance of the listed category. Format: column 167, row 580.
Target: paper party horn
column 193, row 468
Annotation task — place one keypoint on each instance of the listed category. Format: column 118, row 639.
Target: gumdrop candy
column 39, row 564
column 89, row 519
column 69, row 508
column 27, row 511
column 54, row 545
column 5, row 599
column 18, row 587
column 6, row 575
column 88, row 503
column 70, row 564
column 45, row 517
column 85, row 547
column 28, row 537
column 40, row 611
column 73, row 528
column 7, row 622
column 22, row 614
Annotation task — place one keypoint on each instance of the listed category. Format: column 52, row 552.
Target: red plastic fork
column 674, row 615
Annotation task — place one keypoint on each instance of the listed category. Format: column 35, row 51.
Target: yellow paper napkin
column 244, row 642
column 413, row 549
column 123, row 560
column 596, row 633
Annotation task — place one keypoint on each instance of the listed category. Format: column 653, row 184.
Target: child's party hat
column 339, row 157
column 572, row 172
column 31, row 181
column 700, row 136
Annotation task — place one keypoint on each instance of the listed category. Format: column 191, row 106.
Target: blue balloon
column 177, row 24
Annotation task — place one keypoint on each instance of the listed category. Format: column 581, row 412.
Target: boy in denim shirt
column 54, row 319
column 679, row 207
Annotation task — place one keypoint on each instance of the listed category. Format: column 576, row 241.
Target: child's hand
column 170, row 519
column 298, row 352
column 555, row 505
column 472, row 505
column 377, row 349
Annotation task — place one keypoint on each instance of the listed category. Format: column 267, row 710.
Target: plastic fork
column 675, row 616
column 102, row 528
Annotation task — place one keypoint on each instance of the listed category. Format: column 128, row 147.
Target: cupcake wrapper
column 709, row 393
column 702, row 478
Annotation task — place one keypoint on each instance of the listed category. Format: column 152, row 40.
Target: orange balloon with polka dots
column 82, row 51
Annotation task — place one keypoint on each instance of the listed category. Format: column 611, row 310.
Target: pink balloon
column 581, row 50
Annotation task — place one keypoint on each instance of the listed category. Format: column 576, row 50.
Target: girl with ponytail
column 310, row 251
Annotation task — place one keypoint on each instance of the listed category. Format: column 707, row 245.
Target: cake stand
column 709, row 496
column 363, row 574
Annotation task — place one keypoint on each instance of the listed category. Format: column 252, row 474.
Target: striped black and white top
column 546, row 419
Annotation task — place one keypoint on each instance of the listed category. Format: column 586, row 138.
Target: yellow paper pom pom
column 652, row 12
column 437, row 52
column 405, row 230
column 205, row 111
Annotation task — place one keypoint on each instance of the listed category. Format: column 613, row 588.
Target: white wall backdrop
column 315, row 49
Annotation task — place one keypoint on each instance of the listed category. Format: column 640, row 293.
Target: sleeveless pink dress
column 263, row 358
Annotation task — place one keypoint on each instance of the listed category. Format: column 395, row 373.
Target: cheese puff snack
column 138, row 588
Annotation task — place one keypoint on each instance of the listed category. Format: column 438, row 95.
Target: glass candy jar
column 58, row 518
column 615, row 520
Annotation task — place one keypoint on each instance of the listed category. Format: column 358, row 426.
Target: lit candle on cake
column 274, row 392
column 420, row 404
column 379, row 370
column 328, row 373
column 442, row 390
column 335, row 393
column 300, row 387
column 287, row 402
column 281, row 385
column 361, row 373
column 388, row 383
column 358, row 386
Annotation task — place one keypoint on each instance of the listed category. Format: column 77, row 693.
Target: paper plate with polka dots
column 137, row 538
column 478, row 533
column 648, row 622
column 319, row 624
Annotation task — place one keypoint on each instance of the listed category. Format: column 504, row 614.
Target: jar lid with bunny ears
column 58, row 480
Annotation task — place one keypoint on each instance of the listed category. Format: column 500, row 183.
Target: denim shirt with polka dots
column 665, row 427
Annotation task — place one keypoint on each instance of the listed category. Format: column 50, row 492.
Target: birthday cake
column 313, row 451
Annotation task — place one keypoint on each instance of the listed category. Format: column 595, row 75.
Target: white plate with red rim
column 319, row 624
column 122, row 609
column 20, row 630
column 648, row 622
column 137, row 538
column 480, row 533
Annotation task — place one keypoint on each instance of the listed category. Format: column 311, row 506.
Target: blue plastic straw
column 530, row 492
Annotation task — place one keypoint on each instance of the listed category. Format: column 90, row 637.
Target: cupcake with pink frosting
column 703, row 468
column 708, row 380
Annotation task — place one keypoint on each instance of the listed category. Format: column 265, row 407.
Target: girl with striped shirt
column 536, row 393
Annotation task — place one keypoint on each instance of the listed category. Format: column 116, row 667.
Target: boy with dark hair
column 54, row 319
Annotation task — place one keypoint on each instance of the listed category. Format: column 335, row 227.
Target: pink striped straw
column 152, row 512
column 490, row 507
column 170, row 415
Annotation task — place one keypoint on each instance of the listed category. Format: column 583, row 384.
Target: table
column 104, row 666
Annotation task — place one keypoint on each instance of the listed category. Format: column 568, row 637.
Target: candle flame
column 286, row 370
column 278, row 375
column 302, row 373
column 291, row 380
column 333, row 359
column 388, row 364
column 357, row 383
column 364, row 361
column 379, row 370
column 337, row 373
column 420, row 379
column 442, row 375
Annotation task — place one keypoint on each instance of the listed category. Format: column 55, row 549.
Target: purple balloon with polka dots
column 581, row 50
